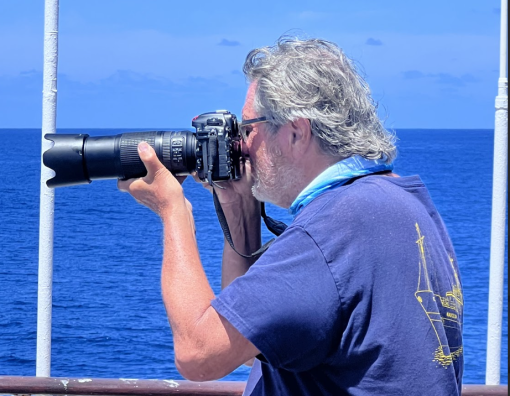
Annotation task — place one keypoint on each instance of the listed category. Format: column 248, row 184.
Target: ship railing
column 24, row 386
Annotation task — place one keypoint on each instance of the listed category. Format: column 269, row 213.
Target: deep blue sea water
column 108, row 317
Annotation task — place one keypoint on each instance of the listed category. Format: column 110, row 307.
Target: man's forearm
column 206, row 345
column 186, row 290
column 245, row 229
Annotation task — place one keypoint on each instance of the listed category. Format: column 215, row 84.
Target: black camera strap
column 212, row 152
column 275, row 226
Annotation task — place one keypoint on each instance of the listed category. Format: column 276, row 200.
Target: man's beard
column 274, row 178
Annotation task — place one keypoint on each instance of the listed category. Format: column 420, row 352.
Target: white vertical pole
column 47, row 199
column 499, row 197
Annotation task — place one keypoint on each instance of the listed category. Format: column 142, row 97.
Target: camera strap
column 212, row 153
column 275, row 226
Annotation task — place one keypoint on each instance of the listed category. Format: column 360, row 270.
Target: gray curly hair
column 313, row 79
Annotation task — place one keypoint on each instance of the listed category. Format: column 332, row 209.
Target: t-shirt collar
column 335, row 176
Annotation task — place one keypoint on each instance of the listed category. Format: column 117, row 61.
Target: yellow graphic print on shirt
column 444, row 312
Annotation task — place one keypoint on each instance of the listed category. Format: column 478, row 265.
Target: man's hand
column 232, row 191
column 159, row 190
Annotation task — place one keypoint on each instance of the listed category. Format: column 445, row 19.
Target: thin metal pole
column 47, row 199
column 499, row 199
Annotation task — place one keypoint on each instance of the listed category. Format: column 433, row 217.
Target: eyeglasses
column 245, row 124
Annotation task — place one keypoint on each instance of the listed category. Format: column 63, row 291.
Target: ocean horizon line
column 190, row 128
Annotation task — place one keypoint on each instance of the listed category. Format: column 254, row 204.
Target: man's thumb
column 148, row 157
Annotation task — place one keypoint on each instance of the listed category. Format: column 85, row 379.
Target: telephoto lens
column 80, row 158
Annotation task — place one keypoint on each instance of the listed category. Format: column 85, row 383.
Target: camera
column 213, row 151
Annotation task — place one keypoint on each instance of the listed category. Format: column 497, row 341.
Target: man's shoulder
column 377, row 188
column 363, row 196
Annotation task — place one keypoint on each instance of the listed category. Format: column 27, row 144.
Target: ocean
column 108, row 316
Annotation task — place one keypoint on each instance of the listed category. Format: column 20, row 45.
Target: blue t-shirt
column 360, row 295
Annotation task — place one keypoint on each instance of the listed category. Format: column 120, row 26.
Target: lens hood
column 66, row 159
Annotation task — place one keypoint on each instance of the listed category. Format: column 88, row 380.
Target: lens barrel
column 80, row 158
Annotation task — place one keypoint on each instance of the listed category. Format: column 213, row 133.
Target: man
column 361, row 293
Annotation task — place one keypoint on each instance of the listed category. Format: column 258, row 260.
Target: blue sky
column 158, row 63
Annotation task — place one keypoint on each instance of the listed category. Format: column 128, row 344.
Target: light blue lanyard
column 335, row 176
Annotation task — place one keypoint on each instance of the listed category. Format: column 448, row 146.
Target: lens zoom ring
column 130, row 161
column 166, row 150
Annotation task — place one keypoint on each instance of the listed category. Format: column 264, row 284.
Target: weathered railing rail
column 119, row 387
column 14, row 385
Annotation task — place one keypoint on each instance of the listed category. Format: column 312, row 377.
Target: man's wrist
column 244, row 217
column 174, row 209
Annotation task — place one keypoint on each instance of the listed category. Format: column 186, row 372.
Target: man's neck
column 307, row 172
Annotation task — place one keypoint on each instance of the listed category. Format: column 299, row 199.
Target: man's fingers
column 204, row 184
column 124, row 185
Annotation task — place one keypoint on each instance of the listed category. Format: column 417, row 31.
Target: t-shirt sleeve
column 287, row 304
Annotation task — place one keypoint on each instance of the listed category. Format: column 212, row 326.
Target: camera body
column 213, row 151
column 218, row 146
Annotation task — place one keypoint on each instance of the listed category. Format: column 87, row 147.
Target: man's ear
column 300, row 135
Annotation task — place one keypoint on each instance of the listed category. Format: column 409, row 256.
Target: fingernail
column 143, row 147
